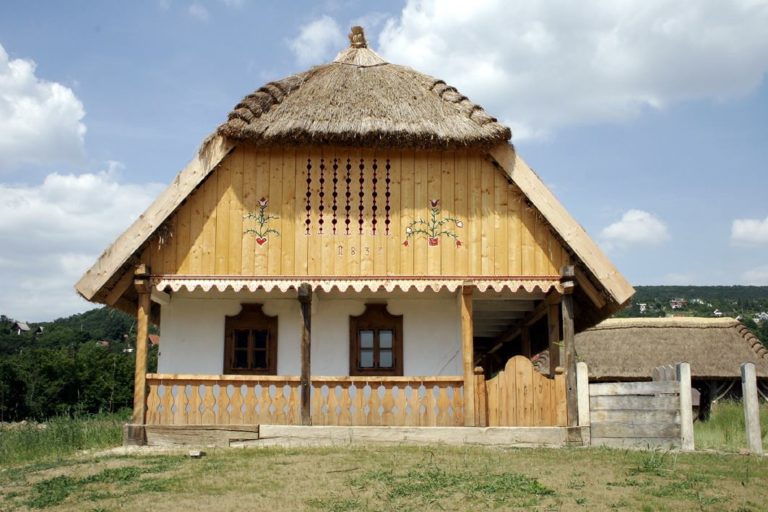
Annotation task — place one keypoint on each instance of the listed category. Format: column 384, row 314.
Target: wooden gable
column 349, row 212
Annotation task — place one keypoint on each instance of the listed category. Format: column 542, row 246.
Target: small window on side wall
column 376, row 342
column 250, row 342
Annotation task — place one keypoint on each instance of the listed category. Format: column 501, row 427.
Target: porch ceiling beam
column 492, row 315
column 515, row 330
column 161, row 298
column 589, row 289
column 120, row 288
column 504, row 305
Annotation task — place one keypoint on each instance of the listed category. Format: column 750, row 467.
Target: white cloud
column 54, row 231
column 757, row 276
column 40, row 121
column 198, row 11
column 636, row 228
column 543, row 65
column 317, row 42
column 749, row 231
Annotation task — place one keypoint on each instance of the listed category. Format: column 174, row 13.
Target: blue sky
column 648, row 119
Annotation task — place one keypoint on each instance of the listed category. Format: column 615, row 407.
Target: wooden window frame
column 251, row 318
column 376, row 318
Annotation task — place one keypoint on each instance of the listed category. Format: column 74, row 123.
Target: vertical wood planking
column 288, row 212
column 277, row 159
column 488, row 223
column 407, row 215
column 223, row 195
column 182, row 237
column 314, row 242
column 327, row 266
column 250, row 202
column 354, row 238
column 380, row 239
column 168, row 245
column 299, row 228
column 542, row 246
column 501, row 224
column 420, row 210
column 515, row 226
column 524, row 391
column 475, row 215
column 196, row 206
column 394, row 247
column 501, row 233
column 461, row 204
column 261, row 178
column 447, row 192
column 434, row 190
column 209, row 222
column 527, row 238
column 367, row 247
column 235, row 260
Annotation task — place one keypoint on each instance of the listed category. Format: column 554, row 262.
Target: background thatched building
column 628, row 349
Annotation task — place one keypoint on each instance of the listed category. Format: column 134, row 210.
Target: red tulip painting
column 434, row 228
column 262, row 219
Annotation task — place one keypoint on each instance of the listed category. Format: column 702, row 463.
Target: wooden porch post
column 568, row 346
column 305, row 299
column 468, row 355
column 135, row 432
column 555, row 345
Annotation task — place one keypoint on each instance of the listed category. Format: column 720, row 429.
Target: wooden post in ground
column 582, row 388
column 468, row 355
column 305, row 300
column 566, row 305
column 683, row 374
column 134, row 433
column 481, row 399
column 751, row 408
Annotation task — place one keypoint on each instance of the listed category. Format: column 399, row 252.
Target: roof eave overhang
column 213, row 150
column 616, row 287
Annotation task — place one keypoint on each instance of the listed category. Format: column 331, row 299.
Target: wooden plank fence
column 655, row 414
column 520, row 396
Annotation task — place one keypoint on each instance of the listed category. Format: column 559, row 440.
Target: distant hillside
column 747, row 303
column 79, row 364
column 733, row 301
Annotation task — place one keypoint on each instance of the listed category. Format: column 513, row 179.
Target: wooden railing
column 257, row 399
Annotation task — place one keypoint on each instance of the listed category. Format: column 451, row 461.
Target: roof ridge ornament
column 357, row 38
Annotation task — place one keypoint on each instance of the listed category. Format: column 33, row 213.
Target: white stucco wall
column 192, row 334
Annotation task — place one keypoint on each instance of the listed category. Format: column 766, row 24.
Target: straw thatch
column 361, row 100
column 630, row 348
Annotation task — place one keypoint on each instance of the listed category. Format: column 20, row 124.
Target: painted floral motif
column 262, row 218
column 434, row 228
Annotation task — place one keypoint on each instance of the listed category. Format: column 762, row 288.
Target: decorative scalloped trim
column 540, row 284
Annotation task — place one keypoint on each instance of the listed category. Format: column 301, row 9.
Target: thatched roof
column 629, row 348
column 359, row 99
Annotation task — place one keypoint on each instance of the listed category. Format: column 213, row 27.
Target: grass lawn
column 390, row 479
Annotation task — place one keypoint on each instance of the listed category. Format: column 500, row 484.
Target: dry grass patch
column 394, row 479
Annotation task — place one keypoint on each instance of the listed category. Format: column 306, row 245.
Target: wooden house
column 357, row 244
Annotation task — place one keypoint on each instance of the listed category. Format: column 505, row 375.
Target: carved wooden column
column 468, row 354
column 571, row 396
column 135, row 432
column 305, row 300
